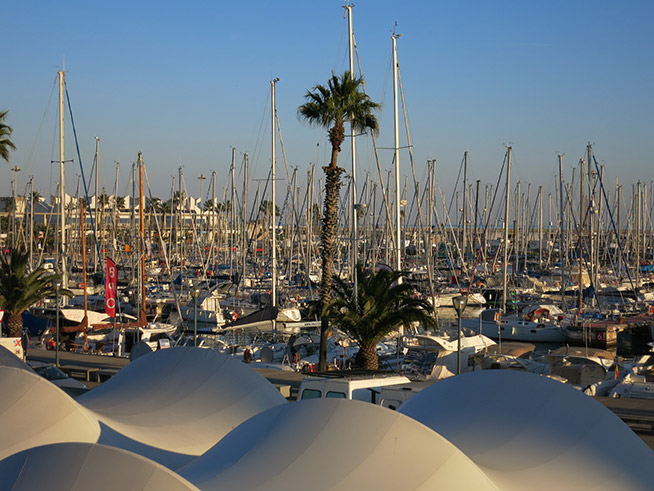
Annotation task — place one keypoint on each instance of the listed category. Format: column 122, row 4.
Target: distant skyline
column 184, row 82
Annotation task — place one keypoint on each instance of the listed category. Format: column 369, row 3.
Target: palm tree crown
column 382, row 304
column 330, row 106
column 19, row 290
column 5, row 137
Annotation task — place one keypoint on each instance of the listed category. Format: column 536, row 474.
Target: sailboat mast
column 62, row 187
column 141, row 241
column 31, row 222
column 354, row 196
column 273, row 195
column 398, row 245
column 464, row 218
column 562, row 233
column 506, row 227
column 81, row 220
column 244, row 220
column 581, row 230
column 97, row 168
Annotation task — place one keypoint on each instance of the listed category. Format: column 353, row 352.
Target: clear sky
column 185, row 81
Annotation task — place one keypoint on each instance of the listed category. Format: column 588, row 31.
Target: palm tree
column 20, row 290
column 5, row 137
column 330, row 106
column 381, row 306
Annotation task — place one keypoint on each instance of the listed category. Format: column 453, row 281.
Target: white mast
column 506, row 228
column 354, row 196
column 464, row 217
column 273, row 195
column 398, row 245
column 97, row 211
column 62, row 186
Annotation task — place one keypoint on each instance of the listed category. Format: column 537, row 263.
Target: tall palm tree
column 19, row 290
column 382, row 305
column 330, row 106
column 5, row 137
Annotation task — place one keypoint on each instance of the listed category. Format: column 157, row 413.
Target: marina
column 365, row 290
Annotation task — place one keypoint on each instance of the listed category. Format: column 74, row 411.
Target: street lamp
column 195, row 293
column 57, row 286
column 459, row 303
column 359, row 209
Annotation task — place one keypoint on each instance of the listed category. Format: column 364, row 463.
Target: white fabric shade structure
column 186, row 417
column 334, row 444
column 84, row 466
column 170, row 406
column 530, row 432
column 35, row 412
column 175, row 404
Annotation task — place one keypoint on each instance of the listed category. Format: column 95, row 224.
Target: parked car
column 51, row 373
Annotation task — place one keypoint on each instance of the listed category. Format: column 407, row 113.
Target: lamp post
column 196, row 294
column 459, row 303
column 57, row 286
column 359, row 209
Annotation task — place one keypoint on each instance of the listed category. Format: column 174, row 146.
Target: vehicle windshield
column 50, row 373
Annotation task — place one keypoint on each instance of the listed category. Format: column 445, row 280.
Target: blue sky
column 185, row 81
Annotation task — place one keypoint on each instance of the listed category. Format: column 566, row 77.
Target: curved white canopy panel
column 530, row 432
column 175, row 404
column 334, row 443
column 34, row 412
column 82, row 466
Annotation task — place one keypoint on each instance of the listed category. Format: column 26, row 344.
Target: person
column 247, row 355
column 50, row 344
column 26, row 343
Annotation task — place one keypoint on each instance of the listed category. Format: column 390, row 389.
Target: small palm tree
column 330, row 107
column 5, row 137
column 19, row 290
column 382, row 305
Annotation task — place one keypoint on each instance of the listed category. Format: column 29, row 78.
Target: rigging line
column 456, row 184
column 86, row 191
column 615, row 230
column 163, row 248
column 376, row 153
column 413, row 167
column 38, row 133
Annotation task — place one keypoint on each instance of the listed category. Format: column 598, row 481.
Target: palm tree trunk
column 328, row 233
column 366, row 358
column 14, row 325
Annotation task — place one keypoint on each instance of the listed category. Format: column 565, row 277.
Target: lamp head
column 195, row 293
column 460, row 304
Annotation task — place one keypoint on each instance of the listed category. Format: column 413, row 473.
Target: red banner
column 110, row 285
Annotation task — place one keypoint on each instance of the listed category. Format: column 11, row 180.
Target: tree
column 153, row 205
column 20, row 290
column 5, row 137
column 329, row 107
column 382, row 305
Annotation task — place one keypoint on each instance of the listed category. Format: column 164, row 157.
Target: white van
column 359, row 388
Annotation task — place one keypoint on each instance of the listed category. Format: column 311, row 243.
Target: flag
column 110, row 285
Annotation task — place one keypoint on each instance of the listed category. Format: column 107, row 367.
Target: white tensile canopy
column 175, row 404
column 170, row 406
column 35, row 412
column 83, row 466
column 334, row 444
column 530, row 432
